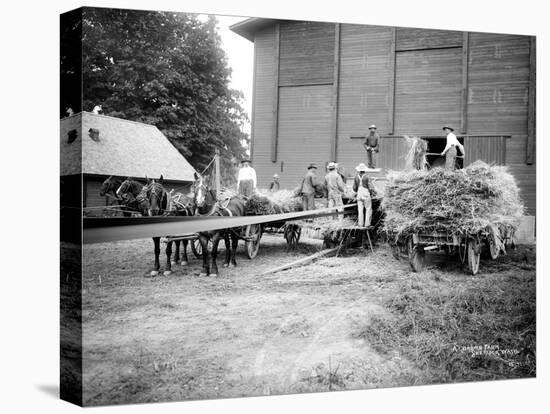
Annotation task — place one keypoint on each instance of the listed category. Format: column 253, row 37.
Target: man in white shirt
column 450, row 149
column 246, row 180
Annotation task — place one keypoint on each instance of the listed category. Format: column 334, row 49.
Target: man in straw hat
column 307, row 189
column 335, row 187
column 371, row 144
column 246, row 180
column 364, row 190
column 450, row 149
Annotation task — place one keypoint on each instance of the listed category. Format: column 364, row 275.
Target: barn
column 98, row 146
column 318, row 86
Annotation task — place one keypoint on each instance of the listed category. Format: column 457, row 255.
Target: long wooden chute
column 99, row 230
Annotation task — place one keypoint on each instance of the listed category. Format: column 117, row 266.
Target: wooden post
column 391, row 93
column 275, row 113
column 335, row 93
column 217, row 172
column 531, row 111
column 464, row 96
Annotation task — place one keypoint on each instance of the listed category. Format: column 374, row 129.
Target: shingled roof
column 124, row 148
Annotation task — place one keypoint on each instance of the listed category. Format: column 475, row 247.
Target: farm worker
column 275, row 185
column 307, row 189
column 335, row 187
column 450, row 149
column 246, row 180
column 363, row 189
column 371, row 144
column 341, row 172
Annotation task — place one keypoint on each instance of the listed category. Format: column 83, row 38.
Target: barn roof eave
column 247, row 28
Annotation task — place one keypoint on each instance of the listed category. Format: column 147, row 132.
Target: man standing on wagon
column 246, row 180
column 450, row 149
column 371, row 144
column 364, row 191
column 335, row 187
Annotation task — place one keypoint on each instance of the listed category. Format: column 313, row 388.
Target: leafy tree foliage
column 166, row 69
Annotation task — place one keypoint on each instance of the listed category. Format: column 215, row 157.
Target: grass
column 463, row 329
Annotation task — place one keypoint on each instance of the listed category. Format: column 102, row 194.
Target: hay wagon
column 251, row 235
column 468, row 248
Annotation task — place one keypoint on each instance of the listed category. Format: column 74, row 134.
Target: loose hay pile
column 463, row 202
column 265, row 202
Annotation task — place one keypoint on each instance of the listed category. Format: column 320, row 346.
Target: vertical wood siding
column 413, row 39
column 304, row 131
column 429, row 77
column 498, row 98
column 393, row 150
column 91, row 189
column 364, row 88
column 264, row 95
column 428, row 86
column 307, row 53
column 492, row 150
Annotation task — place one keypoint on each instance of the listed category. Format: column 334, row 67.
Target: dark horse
column 129, row 194
column 206, row 204
column 160, row 202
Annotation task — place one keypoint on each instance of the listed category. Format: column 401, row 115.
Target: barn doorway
column 436, row 147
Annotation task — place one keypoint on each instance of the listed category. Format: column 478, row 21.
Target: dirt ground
column 182, row 337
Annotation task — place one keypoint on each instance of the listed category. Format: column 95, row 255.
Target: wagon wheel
column 493, row 247
column 292, row 235
column 474, row 252
column 461, row 250
column 416, row 256
column 253, row 234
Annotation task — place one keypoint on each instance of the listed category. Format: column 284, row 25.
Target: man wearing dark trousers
column 307, row 189
column 372, row 146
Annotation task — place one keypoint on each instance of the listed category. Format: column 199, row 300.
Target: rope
column 208, row 166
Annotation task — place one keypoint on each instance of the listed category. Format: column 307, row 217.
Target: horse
column 128, row 193
column 206, row 204
column 160, row 202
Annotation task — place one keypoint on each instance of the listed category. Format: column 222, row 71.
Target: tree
column 165, row 69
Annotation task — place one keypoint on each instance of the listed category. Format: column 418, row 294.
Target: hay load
column 461, row 202
column 265, row 202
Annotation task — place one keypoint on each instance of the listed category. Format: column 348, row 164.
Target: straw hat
column 361, row 167
column 448, row 127
column 312, row 165
column 372, row 126
column 275, row 175
column 245, row 160
column 331, row 165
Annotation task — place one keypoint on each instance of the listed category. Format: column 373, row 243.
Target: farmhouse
column 318, row 86
column 98, row 146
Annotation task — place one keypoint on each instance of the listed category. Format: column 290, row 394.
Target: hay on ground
column 463, row 202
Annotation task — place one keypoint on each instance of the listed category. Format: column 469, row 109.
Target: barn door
column 304, row 131
column 427, row 90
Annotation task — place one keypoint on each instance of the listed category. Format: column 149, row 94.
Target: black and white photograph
column 361, row 215
column 321, row 210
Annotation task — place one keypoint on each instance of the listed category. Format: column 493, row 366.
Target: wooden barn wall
column 307, row 53
column 363, row 89
column 264, row 93
column 91, row 195
column 498, row 81
column 304, row 131
column 412, row 38
column 428, row 85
